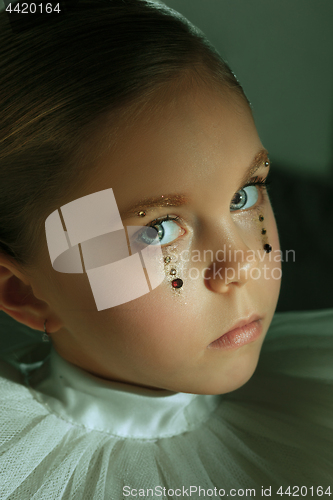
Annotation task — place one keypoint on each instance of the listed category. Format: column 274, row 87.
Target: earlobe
column 17, row 298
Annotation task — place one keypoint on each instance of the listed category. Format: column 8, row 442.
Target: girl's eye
column 160, row 231
column 248, row 196
column 245, row 198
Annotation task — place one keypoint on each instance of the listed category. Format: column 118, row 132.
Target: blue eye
column 248, row 196
column 160, row 231
column 245, row 198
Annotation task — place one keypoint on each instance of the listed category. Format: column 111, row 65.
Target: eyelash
column 258, row 181
column 262, row 182
column 163, row 219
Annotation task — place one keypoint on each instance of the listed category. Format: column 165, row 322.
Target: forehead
column 175, row 145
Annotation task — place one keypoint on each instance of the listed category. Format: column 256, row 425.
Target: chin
column 223, row 384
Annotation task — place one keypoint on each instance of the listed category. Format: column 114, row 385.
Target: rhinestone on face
column 267, row 248
column 142, row 213
column 263, row 231
column 177, row 283
column 167, row 259
column 261, row 218
column 266, row 163
column 173, row 271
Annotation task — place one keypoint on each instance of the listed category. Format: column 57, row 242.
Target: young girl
column 137, row 233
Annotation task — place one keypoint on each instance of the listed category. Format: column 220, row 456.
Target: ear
column 18, row 300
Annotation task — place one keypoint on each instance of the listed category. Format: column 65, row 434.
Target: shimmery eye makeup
column 141, row 208
column 165, row 231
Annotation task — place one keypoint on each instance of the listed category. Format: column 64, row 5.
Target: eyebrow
column 177, row 200
column 257, row 162
column 171, row 200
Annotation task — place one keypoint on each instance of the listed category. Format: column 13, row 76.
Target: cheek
column 155, row 327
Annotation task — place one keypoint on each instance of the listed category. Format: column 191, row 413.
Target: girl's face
column 200, row 148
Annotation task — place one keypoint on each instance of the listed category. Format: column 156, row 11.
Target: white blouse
column 66, row 434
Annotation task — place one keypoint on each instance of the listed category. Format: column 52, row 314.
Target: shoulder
column 16, row 399
column 30, row 441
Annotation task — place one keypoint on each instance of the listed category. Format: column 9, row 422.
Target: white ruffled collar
column 120, row 409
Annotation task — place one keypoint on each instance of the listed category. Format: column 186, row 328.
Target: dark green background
column 282, row 53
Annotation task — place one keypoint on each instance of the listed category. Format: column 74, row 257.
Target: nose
column 232, row 263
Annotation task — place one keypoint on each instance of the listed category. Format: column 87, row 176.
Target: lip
column 242, row 323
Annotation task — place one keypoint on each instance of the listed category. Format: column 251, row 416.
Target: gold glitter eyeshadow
column 157, row 202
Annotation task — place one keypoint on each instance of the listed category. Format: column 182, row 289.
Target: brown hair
column 57, row 80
